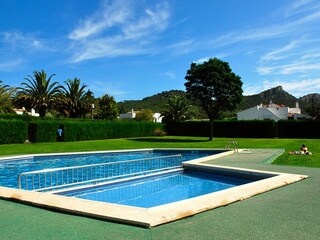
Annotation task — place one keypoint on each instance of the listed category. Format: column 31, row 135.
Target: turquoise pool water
column 154, row 191
column 10, row 169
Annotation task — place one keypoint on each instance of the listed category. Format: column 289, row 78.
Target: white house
column 23, row 110
column 271, row 111
column 130, row 115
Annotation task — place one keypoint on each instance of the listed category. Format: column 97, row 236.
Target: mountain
column 155, row 102
column 277, row 95
column 309, row 97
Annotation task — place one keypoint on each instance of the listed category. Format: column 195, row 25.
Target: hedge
column 299, row 129
column 43, row 131
column 13, row 131
column 46, row 131
column 247, row 129
column 79, row 131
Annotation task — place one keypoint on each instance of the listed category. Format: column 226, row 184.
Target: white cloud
column 170, row 74
column 105, row 47
column 10, row 65
column 315, row 54
column 21, row 41
column 252, row 89
column 300, row 6
column 111, row 15
column 270, row 31
column 202, row 60
column 297, row 87
column 299, row 67
column 100, row 88
column 116, row 30
column 153, row 21
column 280, row 53
column 182, row 47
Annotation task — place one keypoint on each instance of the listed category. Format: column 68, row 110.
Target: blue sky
column 132, row 49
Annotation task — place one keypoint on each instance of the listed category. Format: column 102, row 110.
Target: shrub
column 159, row 132
column 13, row 131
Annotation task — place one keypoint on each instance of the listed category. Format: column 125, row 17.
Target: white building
column 131, row 115
column 271, row 112
column 23, row 110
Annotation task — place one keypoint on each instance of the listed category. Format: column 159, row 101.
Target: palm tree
column 176, row 109
column 38, row 92
column 6, row 98
column 76, row 100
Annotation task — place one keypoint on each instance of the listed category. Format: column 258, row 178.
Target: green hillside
column 276, row 95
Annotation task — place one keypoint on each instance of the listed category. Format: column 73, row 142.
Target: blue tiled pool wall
column 10, row 169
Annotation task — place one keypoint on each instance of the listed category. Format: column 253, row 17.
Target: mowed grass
column 175, row 142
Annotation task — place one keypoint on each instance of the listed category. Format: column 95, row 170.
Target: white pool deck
column 154, row 216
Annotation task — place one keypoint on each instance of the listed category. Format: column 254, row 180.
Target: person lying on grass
column 303, row 151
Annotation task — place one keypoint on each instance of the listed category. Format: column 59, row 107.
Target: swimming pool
column 11, row 168
column 144, row 215
column 157, row 190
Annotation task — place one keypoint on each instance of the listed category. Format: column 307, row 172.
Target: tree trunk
column 211, row 130
column 42, row 112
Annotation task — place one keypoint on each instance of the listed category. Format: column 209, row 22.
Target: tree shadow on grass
column 166, row 140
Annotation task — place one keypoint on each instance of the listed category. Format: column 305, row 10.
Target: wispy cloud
column 299, row 67
column 300, row 6
column 249, row 89
column 297, row 87
column 116, row 30
column 18, row 48
column 286, row 27
column 11, row 65
column 170, row 74
column 281, row 53
column 181, row 47
column 111, row 15
column 299, row 56
column 18, row 40
column 111, row 88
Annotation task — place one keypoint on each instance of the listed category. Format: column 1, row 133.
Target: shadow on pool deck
column 145, row 139
column 290, row 212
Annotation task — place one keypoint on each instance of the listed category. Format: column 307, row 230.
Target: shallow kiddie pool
column 161, row 186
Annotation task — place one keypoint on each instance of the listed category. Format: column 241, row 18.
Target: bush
column 13, row 131
column 159, row 132
column 43, row 131
column 240, row 129
column 299, row 129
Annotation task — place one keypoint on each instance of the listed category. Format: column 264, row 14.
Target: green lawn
column 175, row 142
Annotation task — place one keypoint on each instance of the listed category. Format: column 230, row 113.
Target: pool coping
column 150, row 217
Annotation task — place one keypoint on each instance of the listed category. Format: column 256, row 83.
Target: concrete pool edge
column 165, row 213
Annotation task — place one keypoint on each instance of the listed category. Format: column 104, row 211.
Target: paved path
column 291, row 212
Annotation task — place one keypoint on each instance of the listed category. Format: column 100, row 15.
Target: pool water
column 10, row 169
column 154, row 191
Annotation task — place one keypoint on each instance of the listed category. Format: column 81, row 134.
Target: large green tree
column 176, row 109
column 107, row 108
column 6, row 94
column 144, row 115
column 38, row 92
column 314, row 108
column 76, row 99
column 215, row 85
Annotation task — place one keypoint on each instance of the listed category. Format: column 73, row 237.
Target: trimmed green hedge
column 240, row 129
column 46, row 131
column 247, row 129
column 299, row 129
column 43, row 131
column 13, row 131
column 79, row 131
